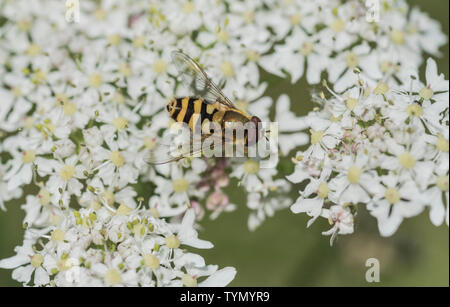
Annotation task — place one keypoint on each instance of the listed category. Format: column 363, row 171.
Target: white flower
column 437, row 196
column 342, row 69
column 93, row 137
column 342, row 220
column 298, row 51
column 265, row 207
column 422, row 103
column 176, row 190
column 252, row 177
column 398, row 201
column 187, row 234
column 21, row 170
column 220, row 278
column 355, row 183
column 185, row 16
column 117, row 168
column 425, row 31
column 14, row 105
column 325, row 135
column 25, row 262
column 63, row 148
column 435, row 88
column 305, row 168
column 313, row 206
column 64, row 175
column 409, row 160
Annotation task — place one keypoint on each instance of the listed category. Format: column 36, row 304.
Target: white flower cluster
column 381, row 147
column 89, row 99
column 99, row 248
column 82, row 104
column 334, row 37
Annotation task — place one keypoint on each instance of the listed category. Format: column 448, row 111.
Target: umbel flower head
column 83, row 106
column 382, row 148
column 127, row 248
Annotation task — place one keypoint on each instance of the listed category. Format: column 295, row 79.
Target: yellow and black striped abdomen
column 190, row 109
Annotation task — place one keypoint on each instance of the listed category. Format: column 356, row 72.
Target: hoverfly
column 207, row 108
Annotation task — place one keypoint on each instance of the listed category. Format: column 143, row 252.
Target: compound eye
column 255, row 120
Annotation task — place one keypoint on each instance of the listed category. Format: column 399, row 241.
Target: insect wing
column 194, row 77
column 166, row 153
column 177, row 143
column 179, row 148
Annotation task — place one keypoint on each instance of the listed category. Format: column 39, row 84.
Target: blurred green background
column 282, row 252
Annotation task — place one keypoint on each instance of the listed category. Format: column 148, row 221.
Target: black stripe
column 205, row 114
column 177, row 108
column 214, row 112
column 189, row 110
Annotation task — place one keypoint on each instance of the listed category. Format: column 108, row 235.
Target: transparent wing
column 166, row 156
column 194, row 77
column 164, row 153
column 176, row 147
column 179, row 148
